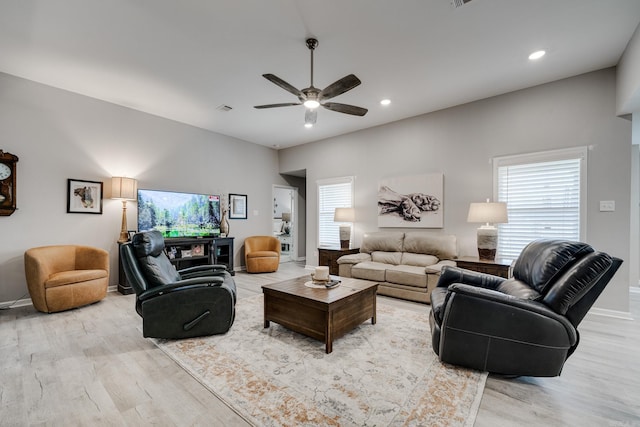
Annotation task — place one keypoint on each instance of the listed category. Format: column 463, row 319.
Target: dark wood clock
column 7, row 183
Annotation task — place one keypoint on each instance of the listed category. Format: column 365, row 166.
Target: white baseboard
column 624, row 315
column 15, row 304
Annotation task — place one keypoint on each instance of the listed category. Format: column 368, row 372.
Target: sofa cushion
column 420, row 260
column 382, row 241
column 409, row 275
column 440, row 245
column 393, row 258
column 370, row 270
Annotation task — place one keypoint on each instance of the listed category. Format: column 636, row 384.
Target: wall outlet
column 607, row 206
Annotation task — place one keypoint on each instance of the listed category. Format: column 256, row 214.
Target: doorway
column 284, row 220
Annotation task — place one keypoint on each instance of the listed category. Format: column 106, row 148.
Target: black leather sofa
column 192, row 302
column 525, row 325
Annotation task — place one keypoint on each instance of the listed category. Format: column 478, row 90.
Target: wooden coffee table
column 323, row 314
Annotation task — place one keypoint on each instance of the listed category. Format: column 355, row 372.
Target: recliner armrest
column 480, row 303
column 451, row 275
column 202, row 270
column 196, row 282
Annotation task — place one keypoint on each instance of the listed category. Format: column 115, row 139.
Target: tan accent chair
column 262, row 254
column 62, row 277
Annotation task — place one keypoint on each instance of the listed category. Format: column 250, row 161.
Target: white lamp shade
column 124, row 188
column 488, row 212
column 344, row 215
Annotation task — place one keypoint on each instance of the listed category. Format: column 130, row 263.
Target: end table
column 329, row 257
column 498, row 267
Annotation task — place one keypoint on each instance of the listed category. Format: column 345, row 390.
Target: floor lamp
column 489, row 214
column 344, row 215
column 124, row 189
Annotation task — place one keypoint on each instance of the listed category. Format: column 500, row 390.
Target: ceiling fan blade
column 339, row 87
column 284, row 85
column 310, row 116
column 286, row 104
column 345, row 108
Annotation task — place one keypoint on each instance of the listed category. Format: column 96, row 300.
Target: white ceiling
column 183, row 59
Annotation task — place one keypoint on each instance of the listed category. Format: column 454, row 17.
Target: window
column 332, row 194
column 545, row 195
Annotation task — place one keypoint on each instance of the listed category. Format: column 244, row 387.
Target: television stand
column 185, row 252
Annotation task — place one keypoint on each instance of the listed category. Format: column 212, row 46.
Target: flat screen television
column 177, row 214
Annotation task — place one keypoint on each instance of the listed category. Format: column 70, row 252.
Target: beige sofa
column 406, row 265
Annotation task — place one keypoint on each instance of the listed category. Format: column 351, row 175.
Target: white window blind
column 545, row 196
column 332, row 194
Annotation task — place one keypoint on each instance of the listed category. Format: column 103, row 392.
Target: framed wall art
column 414, row 201
column 237, row 206
column 84, row 196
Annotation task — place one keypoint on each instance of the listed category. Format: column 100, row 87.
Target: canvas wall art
column 414, row 201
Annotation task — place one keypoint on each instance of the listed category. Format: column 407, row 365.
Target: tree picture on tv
column 179, row 214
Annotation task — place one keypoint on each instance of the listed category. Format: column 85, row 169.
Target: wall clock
column 7, row 183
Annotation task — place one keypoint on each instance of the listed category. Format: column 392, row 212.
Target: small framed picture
column 237, row 206
column 171, row 252
column 84, row 196
column 197, row 250
column 131, row 234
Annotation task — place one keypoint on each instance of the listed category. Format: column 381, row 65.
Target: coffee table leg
column 373, row 319
column 264, row 307
column 328, row 334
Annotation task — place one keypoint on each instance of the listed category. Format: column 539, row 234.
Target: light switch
column 607, row 206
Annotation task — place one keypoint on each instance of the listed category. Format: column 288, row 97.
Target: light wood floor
column 91, row 366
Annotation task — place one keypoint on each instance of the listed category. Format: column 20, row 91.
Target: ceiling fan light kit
column 312, row 97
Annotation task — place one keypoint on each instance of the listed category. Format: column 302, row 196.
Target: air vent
column 459, row 3
column 224, row 108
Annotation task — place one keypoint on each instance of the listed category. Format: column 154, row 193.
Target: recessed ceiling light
column 537, row 55
column 308, row 125
column 385, row 102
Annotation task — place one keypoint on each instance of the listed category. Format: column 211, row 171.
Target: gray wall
column 461, row 141
column 59, row 135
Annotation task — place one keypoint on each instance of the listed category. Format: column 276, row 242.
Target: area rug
column 377, row 375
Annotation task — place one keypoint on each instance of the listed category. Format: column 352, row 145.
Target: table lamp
column 124, row 189
column 286, row 219
column 488, row 213
column 347, row 217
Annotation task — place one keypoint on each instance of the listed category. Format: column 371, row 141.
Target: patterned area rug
column 377, row 375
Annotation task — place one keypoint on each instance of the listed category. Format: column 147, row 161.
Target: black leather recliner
column 525, row 325
column 192, row 302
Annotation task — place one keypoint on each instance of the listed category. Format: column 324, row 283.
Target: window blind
column 545, row 199
column 332, row 194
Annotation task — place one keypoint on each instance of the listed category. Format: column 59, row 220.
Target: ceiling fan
column 312, row 97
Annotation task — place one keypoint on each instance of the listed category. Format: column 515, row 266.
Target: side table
column 329, row 257
column 500, row 268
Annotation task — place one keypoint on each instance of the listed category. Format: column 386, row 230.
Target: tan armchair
column 262, row 254
column 62, row 277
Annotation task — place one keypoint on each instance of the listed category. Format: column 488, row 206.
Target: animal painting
column 86, row 197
